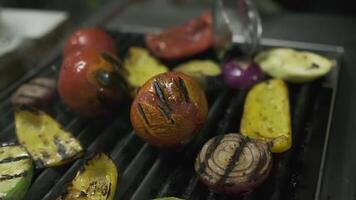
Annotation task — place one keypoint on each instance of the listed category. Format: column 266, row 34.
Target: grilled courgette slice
column 97, row 180
column 266, row 115
column 16, row 171
column 292, row 65
column 44, row 138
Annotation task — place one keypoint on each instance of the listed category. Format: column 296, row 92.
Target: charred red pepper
column 91, row 81
column 193, row 37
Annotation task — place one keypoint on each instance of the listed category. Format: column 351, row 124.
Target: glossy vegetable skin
column 141, row 66
column 241, row 74
column 97, row 180
column 16, row 170
column 233, row 164
column 91, row 82
column 292, row 65
column 193, row 37
column 169, row 109
column 266, row 115
column 45, row 140
column 86, row 38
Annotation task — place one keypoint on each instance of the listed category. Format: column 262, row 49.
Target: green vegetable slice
column 16, row 170
column 97, row 180
column 44, row 138
column 292, row 65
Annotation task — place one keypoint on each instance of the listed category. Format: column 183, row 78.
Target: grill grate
column 146, row 172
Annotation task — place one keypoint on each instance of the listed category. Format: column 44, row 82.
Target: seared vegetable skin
column 266, row 115
column 233, row 164
column 169, row 109
column 91, row 82
column 200, row 70
column 141, row 66
column 293, row 66
column 46, row 141
column 16, row 171
column 97, row 180
column 193, row 37
column 37, row 92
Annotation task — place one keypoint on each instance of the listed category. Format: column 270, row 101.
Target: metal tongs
column 236, row 21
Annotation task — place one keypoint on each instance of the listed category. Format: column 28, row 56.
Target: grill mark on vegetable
column 13, row 159
column 166, row 114
column 142, row 114
column 41, row 85
column 232, row 161
column 25, row 107
column 107, row 57
column 109, row 190
column 9, row 177
column 162, row 100
column 209, row 153
column 61, row 149
column 183, row 89
column 261, row 163
column 314, row 66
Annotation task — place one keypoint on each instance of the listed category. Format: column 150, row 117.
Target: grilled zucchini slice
column 97, row 180
column 293, row 66
column 266, row 115
column 16, row 170
column 44, row 138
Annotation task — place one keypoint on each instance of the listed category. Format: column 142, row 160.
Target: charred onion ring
column 233, row 163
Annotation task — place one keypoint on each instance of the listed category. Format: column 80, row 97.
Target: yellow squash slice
column 141, row 66
column 266, row 115
column 96, row 181
column 44, row 138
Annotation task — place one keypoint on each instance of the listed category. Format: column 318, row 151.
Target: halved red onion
column 233, row 164
column 241, row 74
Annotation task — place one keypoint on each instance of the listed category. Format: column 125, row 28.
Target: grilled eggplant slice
column 16, row 171
column 95, row 181
column 266, row 115
column 45, row 140
column 293, row 66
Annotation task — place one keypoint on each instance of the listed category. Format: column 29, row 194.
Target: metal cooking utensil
column 236, row 21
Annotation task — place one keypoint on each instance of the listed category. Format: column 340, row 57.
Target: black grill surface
column 146, row 172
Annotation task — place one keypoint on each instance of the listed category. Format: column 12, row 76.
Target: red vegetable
column 90, row 81
column 233, row 164
column 241, row 74
column 182, row 41
column 89, row 38
column 169, row 109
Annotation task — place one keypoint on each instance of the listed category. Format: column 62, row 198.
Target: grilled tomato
column 16, row 171
column 89, row 38
column 193, row 37
column 91, row 82
column 97, row 180
column 168, row 109
column 45, row 140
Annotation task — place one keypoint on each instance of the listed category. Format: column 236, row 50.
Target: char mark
column 162, row 100
column 209, row 153
column 141, row 112
column 13, row 159
column 61, row 149
column 183, row 88
column 6, row 177
column 232, row 161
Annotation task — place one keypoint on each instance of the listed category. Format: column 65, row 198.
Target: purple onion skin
column 241, row 74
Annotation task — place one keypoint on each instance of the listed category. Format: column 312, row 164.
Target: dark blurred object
column 340, row 7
